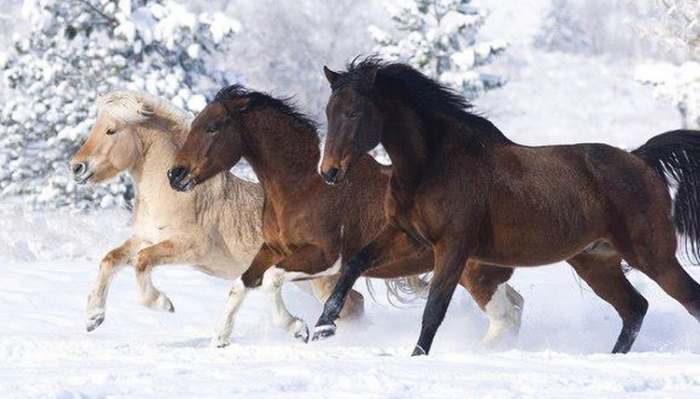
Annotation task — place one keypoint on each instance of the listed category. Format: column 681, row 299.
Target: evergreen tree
column 79, row 49
column 438, row 37
column 676, row 24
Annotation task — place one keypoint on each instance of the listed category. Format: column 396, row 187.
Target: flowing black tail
column 675, row 156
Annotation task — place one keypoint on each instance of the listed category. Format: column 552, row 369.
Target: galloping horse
column 308, row 226
column 460, row 187
column 217, row 228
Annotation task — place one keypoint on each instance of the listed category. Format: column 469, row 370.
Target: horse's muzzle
column 180, row 179
column 81, row 172
column 331, row 176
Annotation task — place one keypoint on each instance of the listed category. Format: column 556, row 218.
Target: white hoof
column 500, row 336
column 95, row 312
column 301, row 331
column 95, row 319
column 161, row 303
column 323, row 332
column 220, row 342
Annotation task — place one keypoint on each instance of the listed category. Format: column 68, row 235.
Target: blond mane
column 130, row 106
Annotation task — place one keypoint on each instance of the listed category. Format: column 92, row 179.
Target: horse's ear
column 242, row 104
column 146, row 110
column 330, row 75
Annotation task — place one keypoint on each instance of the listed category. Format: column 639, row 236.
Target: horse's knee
column 272, row 279
column 237, row 289
column 142, row 261
column 112, row 259
column 252, row 278
column 505, row 304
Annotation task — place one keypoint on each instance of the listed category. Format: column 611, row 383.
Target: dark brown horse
column 309, row 226
column 460, row 187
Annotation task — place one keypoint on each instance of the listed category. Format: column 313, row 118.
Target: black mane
column 260, row 99
column 425, row 95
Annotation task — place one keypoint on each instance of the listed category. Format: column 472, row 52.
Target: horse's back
column 570, row 194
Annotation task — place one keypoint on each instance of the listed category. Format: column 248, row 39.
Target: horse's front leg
column 383, row 248
column 174, row 250
column 272, row 282
column 450, row 261
column 111, row 263
column 322, row 288
column 252, row 277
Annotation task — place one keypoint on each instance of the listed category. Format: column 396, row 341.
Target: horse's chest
column 404, row 210
column 154, row 225
column 152, row 229
column 282, row 227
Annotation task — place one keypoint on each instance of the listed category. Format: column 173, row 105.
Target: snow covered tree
column 438, row 37
column 79, row 49
column 675, row 23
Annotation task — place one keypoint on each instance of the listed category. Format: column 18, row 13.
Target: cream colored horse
column 217, row 228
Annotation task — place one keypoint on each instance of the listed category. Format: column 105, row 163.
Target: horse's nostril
column 177, row 173
column 330, row 176
column 79, row 168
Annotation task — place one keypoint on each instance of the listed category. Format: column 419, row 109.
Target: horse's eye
column 211, row 129
column 352, row 114
column 110, row 132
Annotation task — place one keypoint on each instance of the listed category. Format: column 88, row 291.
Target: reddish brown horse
column 307, row 225
column 460, row 187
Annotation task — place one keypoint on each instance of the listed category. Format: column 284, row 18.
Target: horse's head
column 354, row 121
column 213, row 145
column 112, row 145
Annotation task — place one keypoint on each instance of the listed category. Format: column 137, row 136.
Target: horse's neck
column 284, row 158
column 149, row 172
column 404, row 141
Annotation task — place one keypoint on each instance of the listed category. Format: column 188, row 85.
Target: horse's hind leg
column 651, row 248
column 604, row 275
column 501, row 303
column 673, row 279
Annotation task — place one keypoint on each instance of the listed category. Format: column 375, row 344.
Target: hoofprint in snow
column 50, row 260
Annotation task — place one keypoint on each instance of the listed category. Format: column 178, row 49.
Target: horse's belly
column 224, row 265
column 543, row 235
column 534, row 247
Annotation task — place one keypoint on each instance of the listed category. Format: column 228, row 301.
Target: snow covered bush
column 79, row 49
column 438, row 37
column 679, row 84
column 677, row 24
column 592, row 27
column 291, row 40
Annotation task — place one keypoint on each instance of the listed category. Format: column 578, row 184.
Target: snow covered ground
column 48, row 262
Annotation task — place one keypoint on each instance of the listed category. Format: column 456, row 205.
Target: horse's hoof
column 323, row 332
column 165, row 304
column 162, row 303
column 418, row 351
column 220, row 342
column 302, row 332
column 94, row 321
